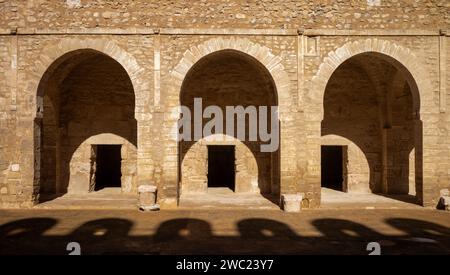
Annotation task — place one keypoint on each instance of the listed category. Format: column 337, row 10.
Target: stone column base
column 444, row 200
column 445, row 203
column 291, row 202
column 147, row 198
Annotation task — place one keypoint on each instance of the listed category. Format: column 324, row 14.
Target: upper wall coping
column 211, row 31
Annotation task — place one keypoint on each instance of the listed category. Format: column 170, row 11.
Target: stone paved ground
column 344, row 231
column 332, row 199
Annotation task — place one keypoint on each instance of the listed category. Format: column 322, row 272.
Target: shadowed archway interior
column 372, row 101
column 229, row 78
column 82, row 94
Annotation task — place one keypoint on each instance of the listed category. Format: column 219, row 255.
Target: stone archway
column 270, row 62
column 227, row 79
column 51, row 54
column 406, row 61
column 407, row 65
column 261, row 53
column 68, row 61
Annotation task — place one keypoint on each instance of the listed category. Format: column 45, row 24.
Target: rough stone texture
column 333, row 14
column 388, row 105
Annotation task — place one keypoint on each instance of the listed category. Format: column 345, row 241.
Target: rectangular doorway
column 108, row 166
column 332, row 167
column 221, row 166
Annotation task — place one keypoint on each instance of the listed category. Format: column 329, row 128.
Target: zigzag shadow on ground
column 194, row 236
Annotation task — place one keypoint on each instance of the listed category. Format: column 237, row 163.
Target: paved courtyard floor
column 225, row 231
column 332, row 199
column 222, row 198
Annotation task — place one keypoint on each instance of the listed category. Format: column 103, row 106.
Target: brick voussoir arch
column 52, row 53
column 261, row 53
column 402, row 55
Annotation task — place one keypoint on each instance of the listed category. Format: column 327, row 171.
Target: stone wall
column 142, row 38
column 11, row 191
column 444, row 122
column 341, row 14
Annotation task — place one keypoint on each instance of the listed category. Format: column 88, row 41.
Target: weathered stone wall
column 156, row 57
column 445, row 122
column 11, row 191
column 373, row 14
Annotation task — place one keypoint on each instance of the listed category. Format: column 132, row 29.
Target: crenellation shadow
column 196, row 236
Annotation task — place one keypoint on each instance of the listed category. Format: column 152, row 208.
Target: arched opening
column 85, row 129
column 372, row 102
column 228, row 78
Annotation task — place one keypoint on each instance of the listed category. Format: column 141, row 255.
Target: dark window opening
column 332, row 167
column 221, row 167
column 108, row 164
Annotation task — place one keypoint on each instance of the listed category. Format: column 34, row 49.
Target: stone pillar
column 169, row 160
column 429, row 149
column 312, row 154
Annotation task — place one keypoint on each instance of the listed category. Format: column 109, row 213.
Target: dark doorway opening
column 108, row 166
column 332, row 170
column 221, row 167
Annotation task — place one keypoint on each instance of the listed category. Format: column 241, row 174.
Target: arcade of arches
column 369, row 115
column 357, row 115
